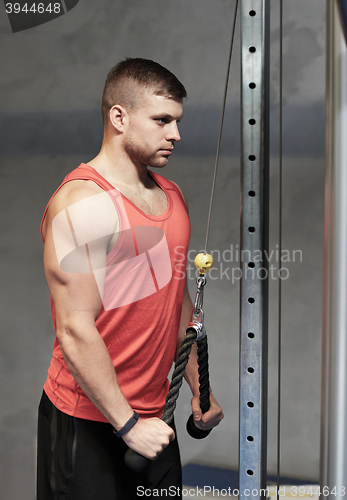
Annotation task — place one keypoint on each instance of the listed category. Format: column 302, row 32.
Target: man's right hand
column 149, row 437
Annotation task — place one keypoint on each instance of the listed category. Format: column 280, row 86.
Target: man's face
column 152, row 130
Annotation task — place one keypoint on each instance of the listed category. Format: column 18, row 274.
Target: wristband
column 129, row 425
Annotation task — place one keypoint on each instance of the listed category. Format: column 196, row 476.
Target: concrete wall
column 51, row 81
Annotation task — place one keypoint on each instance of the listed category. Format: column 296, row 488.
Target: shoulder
column 178, row 187
column 73, row 192
column 168, row 183
column 85, row 204
column 181, row 193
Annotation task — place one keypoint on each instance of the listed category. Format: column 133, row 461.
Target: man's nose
column 173, row 133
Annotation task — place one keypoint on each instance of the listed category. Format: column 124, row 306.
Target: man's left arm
column 214, row 415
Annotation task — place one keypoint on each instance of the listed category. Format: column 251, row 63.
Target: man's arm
column 214, row 415
column 76, row 215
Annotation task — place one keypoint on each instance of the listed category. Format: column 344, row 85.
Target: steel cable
column 279, row 374
column 221, row 127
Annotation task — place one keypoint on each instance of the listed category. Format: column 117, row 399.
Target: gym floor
column 213, row 482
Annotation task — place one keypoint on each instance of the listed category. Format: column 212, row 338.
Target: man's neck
column 117, row 169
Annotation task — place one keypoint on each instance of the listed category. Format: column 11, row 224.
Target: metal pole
column 254, row 242
column 333, row 475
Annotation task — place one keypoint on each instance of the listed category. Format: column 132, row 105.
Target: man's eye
column 161, row 120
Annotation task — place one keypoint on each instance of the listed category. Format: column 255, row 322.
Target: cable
column 280, row 254
column 221, row 127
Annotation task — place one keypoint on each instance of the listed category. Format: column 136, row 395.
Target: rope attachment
column 178, row 374
column 195, row 332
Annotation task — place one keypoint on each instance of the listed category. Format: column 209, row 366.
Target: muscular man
column 116, row 238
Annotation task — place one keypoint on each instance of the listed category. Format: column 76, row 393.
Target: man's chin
column 159, row 163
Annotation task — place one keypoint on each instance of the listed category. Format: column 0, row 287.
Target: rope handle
column 138, row 462
column 194, row 333
column 204, row 389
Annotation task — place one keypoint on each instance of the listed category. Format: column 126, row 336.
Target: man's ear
column 118, row 116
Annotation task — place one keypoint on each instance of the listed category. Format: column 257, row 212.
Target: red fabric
column 140, row 316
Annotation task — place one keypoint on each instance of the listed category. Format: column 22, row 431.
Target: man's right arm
column 71, row 255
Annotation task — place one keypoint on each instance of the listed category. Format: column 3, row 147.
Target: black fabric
column 83, row 460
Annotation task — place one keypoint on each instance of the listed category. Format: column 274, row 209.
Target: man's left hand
column 211, row 418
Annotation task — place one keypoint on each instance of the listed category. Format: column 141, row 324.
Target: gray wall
column 51, row 81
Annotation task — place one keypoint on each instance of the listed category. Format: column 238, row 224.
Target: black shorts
column 80, row 459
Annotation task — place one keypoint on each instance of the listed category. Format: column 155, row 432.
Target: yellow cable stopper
column 203, row 262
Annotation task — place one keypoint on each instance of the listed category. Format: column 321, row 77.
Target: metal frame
column 333, row 474
column 255, row 16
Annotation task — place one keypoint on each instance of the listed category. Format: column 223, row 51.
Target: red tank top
column 142, row 301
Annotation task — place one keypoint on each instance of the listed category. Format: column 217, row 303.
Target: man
column 119, row 304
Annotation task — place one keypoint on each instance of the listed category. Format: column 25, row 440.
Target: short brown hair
column 123, row 81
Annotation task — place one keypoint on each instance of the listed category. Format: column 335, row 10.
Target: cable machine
column 254, row 234
column 253, row 370
column 255, row 16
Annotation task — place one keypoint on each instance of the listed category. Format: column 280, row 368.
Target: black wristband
column 129, row 425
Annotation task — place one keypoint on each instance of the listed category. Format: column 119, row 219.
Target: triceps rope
column 194, row 333
column 177, row 376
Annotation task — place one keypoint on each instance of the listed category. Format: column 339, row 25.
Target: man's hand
column 211, row 418
column 149, row 437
